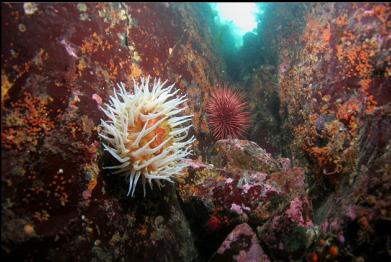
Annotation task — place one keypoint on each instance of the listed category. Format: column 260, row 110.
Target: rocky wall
column 333, row 79
column 60, row 62
column 334, row 88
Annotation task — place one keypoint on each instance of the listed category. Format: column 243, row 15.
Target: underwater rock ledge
column 246, row 185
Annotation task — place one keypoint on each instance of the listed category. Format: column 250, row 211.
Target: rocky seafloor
column 310, row 181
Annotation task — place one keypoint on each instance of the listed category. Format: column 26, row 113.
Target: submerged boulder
column 242, row 154
column 215, row 199
column 240, row 245
column 288, row 234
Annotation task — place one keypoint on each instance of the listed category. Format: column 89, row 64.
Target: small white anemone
column 145, row 133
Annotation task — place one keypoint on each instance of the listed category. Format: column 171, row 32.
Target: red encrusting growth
column 213, row 224
column 227, row 114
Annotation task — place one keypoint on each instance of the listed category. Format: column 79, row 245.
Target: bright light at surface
column 242, row 16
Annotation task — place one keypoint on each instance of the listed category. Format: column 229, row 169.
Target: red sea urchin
column 227, row 114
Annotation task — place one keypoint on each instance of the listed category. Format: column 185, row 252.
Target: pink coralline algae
column 86, row 194
column 246, row 188
column 195, row 164
column 268, row 189
column 325, row 226
column 351, row 212
column 238, row 209
column 249, row 250
column 229, row 181
column 275, row 221
column 296, row 210
column 69, row 48
column 256, row 179
column 97, row 98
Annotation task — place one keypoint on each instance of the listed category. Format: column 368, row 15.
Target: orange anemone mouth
column 161, row 132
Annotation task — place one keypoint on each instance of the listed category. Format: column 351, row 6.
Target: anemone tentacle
column 145, row 132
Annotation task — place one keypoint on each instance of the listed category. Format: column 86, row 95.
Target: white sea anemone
column 145, row 133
